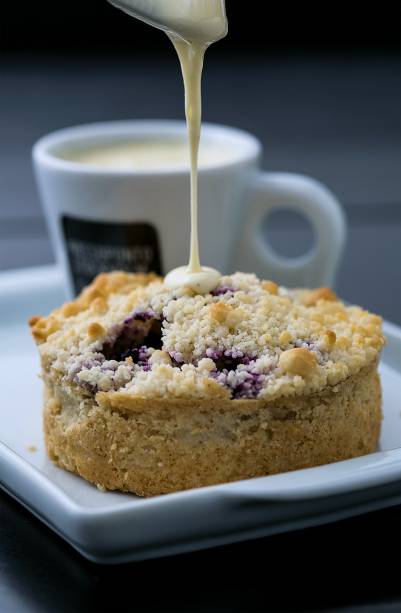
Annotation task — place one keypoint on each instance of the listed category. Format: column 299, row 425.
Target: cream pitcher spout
column 191, row 20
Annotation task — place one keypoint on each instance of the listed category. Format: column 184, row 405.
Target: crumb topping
column 245, row 339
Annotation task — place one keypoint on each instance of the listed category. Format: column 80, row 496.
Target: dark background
column 319, row 84
column 275, row 27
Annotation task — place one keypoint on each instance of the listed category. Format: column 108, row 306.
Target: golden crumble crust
column 94, row 297
column 250, row 337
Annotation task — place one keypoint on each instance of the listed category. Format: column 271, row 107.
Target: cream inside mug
column 104, row 218
column 147, row 153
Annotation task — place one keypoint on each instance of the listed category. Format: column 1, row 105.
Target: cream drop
column 201, row 281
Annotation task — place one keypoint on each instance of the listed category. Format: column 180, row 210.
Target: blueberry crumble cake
column 152, row 390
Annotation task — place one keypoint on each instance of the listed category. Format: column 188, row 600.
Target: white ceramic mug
column 102, row 219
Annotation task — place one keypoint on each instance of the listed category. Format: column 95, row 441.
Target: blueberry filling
column 139, row 355
column 154, row 337
column 141, row 316
column 139, row 332
column 235, row 371
column 242, row 383
column 220, row 291
column 250, row 388
column 227, row 360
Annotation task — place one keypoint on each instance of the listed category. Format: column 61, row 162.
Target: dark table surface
column 334, row 118
column 350, row 565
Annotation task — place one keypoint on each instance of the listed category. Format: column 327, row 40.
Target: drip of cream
column 200, row 279
column 192, row 25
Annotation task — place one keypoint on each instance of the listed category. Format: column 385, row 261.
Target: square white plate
column 109, row 527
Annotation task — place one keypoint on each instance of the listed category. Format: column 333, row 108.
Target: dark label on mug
column 95, row 247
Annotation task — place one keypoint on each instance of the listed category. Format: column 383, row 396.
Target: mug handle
column 268, row 192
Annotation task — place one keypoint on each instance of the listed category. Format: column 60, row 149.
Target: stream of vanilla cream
column 192, row 25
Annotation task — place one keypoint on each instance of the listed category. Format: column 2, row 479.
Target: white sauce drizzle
column 192, row 25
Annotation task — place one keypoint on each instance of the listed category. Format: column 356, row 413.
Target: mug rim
column 43, row 150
